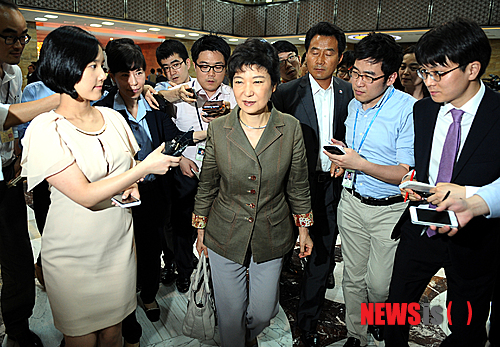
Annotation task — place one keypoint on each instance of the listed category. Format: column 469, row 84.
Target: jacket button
column 251, row 205
column 250, row 220
column 252, row 191
column 253, row 178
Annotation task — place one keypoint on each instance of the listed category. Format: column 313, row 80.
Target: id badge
column 200, row 152
column 348, row 180
column 7, row 135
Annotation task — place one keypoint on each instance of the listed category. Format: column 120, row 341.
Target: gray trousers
column 243, row 313
column 368, row 252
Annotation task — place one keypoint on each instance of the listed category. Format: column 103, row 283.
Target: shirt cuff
column 304, row 219
column 198, row 222
column 470, row 190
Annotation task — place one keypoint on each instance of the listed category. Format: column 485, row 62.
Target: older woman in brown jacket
column 253, row 180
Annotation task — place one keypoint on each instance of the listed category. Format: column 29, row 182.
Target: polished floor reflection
column 282, row 332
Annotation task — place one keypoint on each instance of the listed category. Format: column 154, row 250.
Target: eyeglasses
column 207, row 68
column 11, row 40
column 291, row 58
column 174, row 66
column 365, row 78
column 435, row 75
column 341, row 72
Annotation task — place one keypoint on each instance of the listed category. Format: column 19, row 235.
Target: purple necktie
column 449, row 154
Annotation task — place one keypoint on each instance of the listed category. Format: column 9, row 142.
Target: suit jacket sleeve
column 208, row 187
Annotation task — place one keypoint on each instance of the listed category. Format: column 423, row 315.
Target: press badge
column 7, row 136
column 200, row 152
column 348, row 180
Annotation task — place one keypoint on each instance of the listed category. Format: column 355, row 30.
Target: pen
column 446, row 196
column 411, row 179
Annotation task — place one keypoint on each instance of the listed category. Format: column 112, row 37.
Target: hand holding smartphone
column 334, row 149
column 424, row 215
column 125, row 203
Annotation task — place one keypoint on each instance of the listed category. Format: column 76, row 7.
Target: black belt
column 376, row 202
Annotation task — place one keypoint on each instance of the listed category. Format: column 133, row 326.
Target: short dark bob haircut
column 285, row 46
column 65, row 54
column 169, row 48
column 378, row 47
column 460, row 41
column 327, row 29
column 123, row 55
column 211, row 43
column 255, row 52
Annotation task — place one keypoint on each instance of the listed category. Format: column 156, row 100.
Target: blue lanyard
column 369, row 126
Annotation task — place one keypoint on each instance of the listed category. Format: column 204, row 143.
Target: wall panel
column 218, row 17
column 357, row 15
column 249, row 20
column 403, row 14
column 186, row 13
column 105, row 8
column 446, row 10
column 281, row 19
column 314, row 11
column 154, row 11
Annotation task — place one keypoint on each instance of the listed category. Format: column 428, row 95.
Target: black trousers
column 41, row 204
column 183, row 194
column 149, row 218
column 323, row 233
column 16, row 259
column 418, row 258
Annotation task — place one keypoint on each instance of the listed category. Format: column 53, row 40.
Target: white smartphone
column 416, row 186
column 130, row 202
column 424, row 215
column 334, row 149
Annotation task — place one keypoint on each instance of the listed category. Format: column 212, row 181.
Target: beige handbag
column 199, row 322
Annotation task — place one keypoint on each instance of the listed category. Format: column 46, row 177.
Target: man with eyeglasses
column 16, row 257
column 457, row 143
column 289, row 60
column 379, row 138
column 319, row 101
column 210, row 54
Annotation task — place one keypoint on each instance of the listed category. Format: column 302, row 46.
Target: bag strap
column 206, row 276
column 199, row 267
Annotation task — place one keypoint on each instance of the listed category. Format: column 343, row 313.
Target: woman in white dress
column 86, row 155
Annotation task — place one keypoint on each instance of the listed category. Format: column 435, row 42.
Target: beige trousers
column 368, row 252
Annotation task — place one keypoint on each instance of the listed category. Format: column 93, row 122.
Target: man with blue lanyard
column 379, row 136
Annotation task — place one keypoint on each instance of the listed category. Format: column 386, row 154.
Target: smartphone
column 334, row 149
column 417, row 186
column 213, row 106
column 424, row 215
column 129, row 202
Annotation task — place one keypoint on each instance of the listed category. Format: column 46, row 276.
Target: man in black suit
column 453, row 58
column 319, row 101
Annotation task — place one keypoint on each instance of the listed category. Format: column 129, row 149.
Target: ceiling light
column 96, row 25
column 233, row 40
column 154, row 29
column 302, row 38
column 111, row 39
column 269, row 0
column 194, row 34
column 41, row 19
column 141, row 30
column 52, row 16
column 180, row 35
column 362, row 36
column 108, row 23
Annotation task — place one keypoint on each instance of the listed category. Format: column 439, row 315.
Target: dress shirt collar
column 380, row 103
column 315, row 87
column 470, row 106
column 9, row 73
column 144, row 107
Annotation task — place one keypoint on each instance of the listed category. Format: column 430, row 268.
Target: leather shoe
column 377, row 332
column 310, row 339
column 182, row 284
column 352, row 342
column 153, row 313
column 330, row 281
column 168, row 274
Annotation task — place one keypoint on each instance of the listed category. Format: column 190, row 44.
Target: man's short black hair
column 461, row 41
column 378, row 47
column 65, row 54
column 255, row 52
column 212, row 43
column 285, row 46
column 169, row 48
column 123, row 55
column 326, row 29
column 9, row 5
